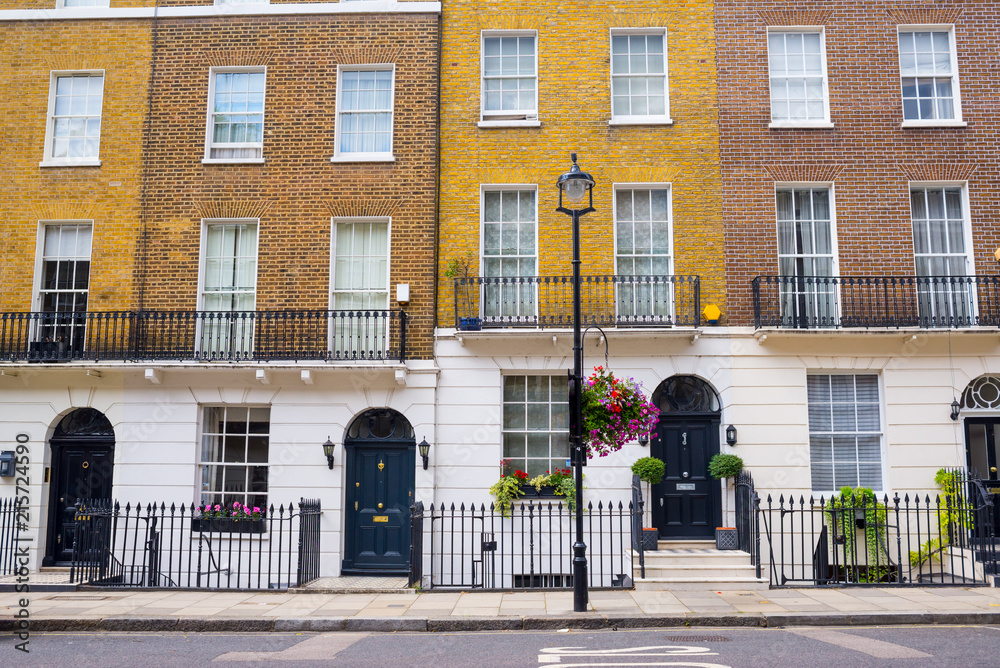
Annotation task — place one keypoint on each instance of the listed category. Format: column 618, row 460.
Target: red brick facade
column 297, row 190
column 867, row 156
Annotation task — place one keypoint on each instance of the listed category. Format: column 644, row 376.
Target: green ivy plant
column 723, row 466
column 954, row 515
column 840, row 515
column 505, row 490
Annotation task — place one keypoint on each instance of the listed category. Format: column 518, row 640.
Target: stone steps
column 680, row 565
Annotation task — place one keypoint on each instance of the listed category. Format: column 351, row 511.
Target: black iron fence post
column 416, row 574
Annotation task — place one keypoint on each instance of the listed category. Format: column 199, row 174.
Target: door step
column 694, row 564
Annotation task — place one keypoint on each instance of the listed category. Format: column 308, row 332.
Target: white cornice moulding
column 78, row 13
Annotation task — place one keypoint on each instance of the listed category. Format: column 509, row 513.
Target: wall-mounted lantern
column 425, row 449
column 731, row 435
column 328, row 451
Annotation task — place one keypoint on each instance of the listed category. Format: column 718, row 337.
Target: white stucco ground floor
column 812, row 412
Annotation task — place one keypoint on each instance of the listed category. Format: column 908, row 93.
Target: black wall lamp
column 425, row 449
column 328, row 451
column 731, row 435
column 644, row 439
column 955, row 408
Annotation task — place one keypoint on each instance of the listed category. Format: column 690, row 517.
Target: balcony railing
column 808, row 302
column 228, row 336
column 547, row 301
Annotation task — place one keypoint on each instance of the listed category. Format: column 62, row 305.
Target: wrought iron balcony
column 547, row 301
column 808, row 302
column 227, row 336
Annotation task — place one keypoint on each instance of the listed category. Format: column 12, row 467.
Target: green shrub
column 724, row 466
column 649, row 469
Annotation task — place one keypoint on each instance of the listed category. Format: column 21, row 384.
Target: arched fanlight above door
column 686, row 394
column 84, row 422
column 983, row 392
column 380, row 424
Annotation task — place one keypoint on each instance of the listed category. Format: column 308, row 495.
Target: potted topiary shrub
column 650, row 470
column 724, row 467
column 461, row 268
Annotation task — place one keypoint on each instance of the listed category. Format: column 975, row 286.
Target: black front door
column 80, row 470
column 983, row 454
column 380, row 483
column 686, row 503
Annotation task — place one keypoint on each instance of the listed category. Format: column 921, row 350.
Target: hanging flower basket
column 615, row 411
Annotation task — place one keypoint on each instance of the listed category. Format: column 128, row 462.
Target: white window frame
column 210, row 118
column 883, row 443
column 834, row 247
column 203, row 248
column 550, row 430
column 47, row 159
column 238, row 3
column 36, row 288
column 649, row 119
column 386, row 156
column 489, row 119
column 670, row 235
column 970, row 256
column 202, row 462
column 483, row 189
column 376, row 331
column 825, row 123
column 339, row 220
column 956, row 87
column 244, row 336
column 61, row 4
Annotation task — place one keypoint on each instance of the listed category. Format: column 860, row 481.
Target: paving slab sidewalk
column 190, row 611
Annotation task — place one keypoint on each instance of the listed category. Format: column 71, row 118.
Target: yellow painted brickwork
column 108, row 195
column 574, row 107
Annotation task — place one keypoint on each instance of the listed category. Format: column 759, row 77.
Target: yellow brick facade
column 109, row 195
column 574, row 107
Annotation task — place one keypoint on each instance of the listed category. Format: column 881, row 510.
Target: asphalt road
column 914, row 646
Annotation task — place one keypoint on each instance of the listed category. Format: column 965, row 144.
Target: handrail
column 607, row 300
column 810, row 302
column 206, row 336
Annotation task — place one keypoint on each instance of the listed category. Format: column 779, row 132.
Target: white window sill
column 82, row 162
column 799, row 125
column 642, row 120
column 934, row 124
column 364, row 157
column 232, row 161
column 509, row 124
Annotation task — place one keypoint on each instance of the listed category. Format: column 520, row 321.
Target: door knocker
column 85, row 465
column 380, row 465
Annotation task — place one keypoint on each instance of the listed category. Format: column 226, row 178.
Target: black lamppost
column 576, row 198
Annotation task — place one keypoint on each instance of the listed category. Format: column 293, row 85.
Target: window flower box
column 546, row 491
column 227, row 525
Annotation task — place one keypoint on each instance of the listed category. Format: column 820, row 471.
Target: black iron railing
column 747, row 530
column 947, row 540
column 156, row 545
column 547, row 301
column 475, row 547
column 637, row 524
column 416, row 544
column 310, row 513
column 12, row 519
column 229, row 336
column 807, row 302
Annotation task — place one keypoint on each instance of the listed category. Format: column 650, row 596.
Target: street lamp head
column 576, row 188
